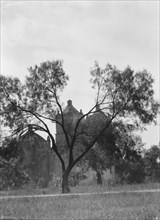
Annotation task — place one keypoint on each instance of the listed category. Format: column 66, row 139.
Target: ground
column 124, row 205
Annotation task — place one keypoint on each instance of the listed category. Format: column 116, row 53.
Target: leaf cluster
column 125, row 92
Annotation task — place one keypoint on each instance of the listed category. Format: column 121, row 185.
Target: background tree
column 119, row 147
column 120, row 94
column 152, row 163
column 129, row 166
column 101, row 156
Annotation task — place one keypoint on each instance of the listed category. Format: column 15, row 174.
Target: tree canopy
column 120, row 95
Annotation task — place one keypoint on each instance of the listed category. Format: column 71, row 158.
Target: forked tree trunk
column 65, row 183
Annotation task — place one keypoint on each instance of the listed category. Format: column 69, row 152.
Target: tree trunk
column 65, row 183
column 99, row 178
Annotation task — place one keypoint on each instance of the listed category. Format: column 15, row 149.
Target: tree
column 120, row 94
column 119, row 147
column 12, row 172
column 152, row 163
column 129, row 165
column 103, row 154
column 0, row 136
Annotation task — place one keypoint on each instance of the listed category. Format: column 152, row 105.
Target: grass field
column 82, row 189
column 142, row 206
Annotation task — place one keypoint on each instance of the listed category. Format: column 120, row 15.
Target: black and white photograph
column 80, row 109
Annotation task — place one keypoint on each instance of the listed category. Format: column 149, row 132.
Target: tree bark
column 99, row 178
column 65, row 183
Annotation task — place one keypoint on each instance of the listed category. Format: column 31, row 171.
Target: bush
column 131, row 172
column 75, row 177
column 12, row 174
column 55, row 181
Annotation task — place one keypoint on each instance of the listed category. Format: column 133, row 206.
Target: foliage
column 10, row 148
column 126, row 93
column 119, row 147
column 41, row 182
column 76, row 177
column 128, row 161
column 99, row 153
column 152, row 163
column 55, row 181
column 11, row 89
column 130, row 172
column 119, row 95
column 12, row 172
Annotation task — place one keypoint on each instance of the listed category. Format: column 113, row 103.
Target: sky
column 79, row 33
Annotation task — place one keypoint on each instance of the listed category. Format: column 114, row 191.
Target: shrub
column 12, row 174
column 55, row 181
column 131, row 172
column 75, row 177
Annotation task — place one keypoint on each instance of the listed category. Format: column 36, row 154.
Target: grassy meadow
column 142, row 206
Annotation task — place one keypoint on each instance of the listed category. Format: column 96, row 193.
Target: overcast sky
column 79, row 32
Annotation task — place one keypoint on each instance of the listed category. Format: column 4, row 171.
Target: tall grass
column 82, row 189
column 139, row 206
